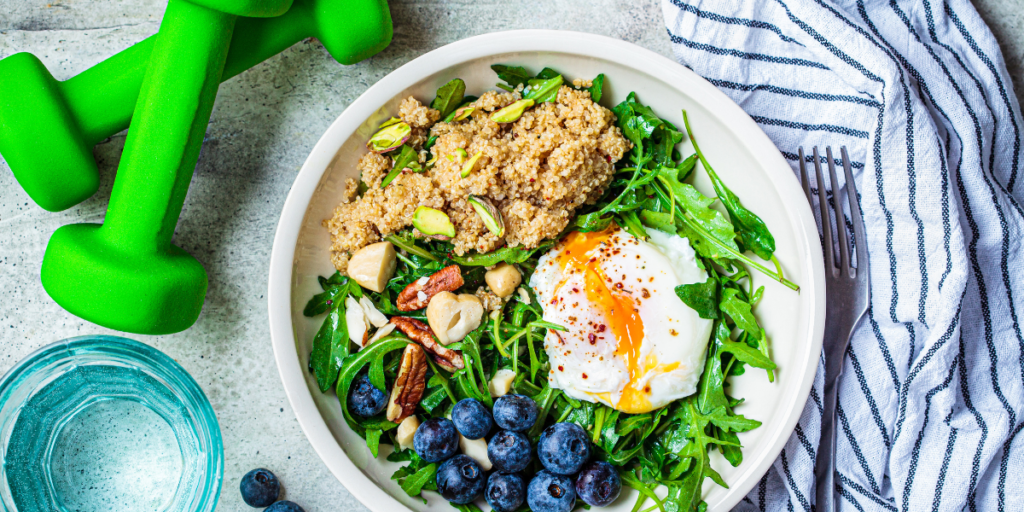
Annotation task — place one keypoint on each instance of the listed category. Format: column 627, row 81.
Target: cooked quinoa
column 538, row 170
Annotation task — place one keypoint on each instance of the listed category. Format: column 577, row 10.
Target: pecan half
column 419, row 292
column 409, row 385
column 419, row 332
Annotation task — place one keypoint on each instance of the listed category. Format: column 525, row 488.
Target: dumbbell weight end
column 139, row 292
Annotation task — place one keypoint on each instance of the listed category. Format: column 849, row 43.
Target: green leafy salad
column 424, row 372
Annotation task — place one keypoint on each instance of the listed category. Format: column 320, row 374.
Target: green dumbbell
column 48, row 128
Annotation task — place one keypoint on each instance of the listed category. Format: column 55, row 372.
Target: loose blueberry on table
column 364, row 399
column 460, row 479
column 515, row 412
column 509, row 451
column 259, row 488
column 505, row 492
column 472, row 418
column 563, row 448
column 284, row 506
column 436, row 440
column 549, row 492
column 598, row 484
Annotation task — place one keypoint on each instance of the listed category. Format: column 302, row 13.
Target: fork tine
column 859, row 237
column 804, row 182
column 844, row 244
column 826, row 223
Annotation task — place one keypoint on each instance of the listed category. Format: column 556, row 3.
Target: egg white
column 613, row 287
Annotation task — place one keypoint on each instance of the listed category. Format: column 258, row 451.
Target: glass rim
column 158, row 365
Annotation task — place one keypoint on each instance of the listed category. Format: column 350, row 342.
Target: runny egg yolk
column 618, row 309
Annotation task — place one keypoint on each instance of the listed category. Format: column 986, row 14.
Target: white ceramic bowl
column 741, row 153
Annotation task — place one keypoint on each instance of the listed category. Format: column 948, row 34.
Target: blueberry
column 549, row 492
column 364, row 399
column 436, row 440
column 505, row 491
column 460, row 479
column 598, row 484
column 509, row 451
column 472, row 419
column 259, row 488
column 284, row 506
column 563, row 448
column 515, row 412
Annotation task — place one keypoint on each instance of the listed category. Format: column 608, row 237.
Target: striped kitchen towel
column 931, row 403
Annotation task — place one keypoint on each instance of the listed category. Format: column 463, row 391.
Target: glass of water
column 100, row 423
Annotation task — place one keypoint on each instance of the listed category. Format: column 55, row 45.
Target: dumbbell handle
column 102, row 98
column 166, row 135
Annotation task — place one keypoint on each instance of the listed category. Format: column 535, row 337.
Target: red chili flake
column 554, row 300
column 584, row 375
column 618, row 285
column 593, row 338
column 647, row 389
column 560, row 368
column 601, row 328
column 608, row 158
column 575, row 290
column 532, row 180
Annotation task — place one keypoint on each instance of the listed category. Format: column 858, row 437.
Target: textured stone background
column 264, row 124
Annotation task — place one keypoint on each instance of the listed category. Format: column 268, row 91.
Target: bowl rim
column 280, row 278
column 162, row 367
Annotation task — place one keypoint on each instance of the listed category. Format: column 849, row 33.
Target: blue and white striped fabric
column 931, row 401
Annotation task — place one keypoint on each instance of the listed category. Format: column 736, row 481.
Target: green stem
column 686, row 219
column 410, row 247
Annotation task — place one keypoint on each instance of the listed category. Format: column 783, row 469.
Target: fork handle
column 825, row 461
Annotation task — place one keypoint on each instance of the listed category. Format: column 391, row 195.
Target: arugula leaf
column 701, row 297
column 666, row 137
column 413, row 485
column 512, row 75
column 373, row 441
column 547, row 73
column 711, row 388
column 449, row 96
column 750, row 228
column 592, row 222
column 733, row 454
column 739, row 311
column 631, row 223
column 596, row 88
column 330, row 344
column 743, row 352
column 662, row 221
column 698, row 210
column 510, row 255
column 321, row 302
column 723, row 419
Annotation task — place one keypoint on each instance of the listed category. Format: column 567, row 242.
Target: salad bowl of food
column 544, row 268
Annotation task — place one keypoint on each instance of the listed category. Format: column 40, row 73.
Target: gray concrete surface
column 265, row 123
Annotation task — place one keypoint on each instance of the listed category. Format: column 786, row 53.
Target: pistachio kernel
column 468, row 168
column 389, row 136
column 512, row 112
column 489, row 214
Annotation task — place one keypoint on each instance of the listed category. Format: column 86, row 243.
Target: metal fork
column 846, row 301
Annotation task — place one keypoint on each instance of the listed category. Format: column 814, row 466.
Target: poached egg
column 630, row 342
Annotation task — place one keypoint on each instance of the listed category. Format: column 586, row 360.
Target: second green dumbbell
column 126, row 274
column 48, row 128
